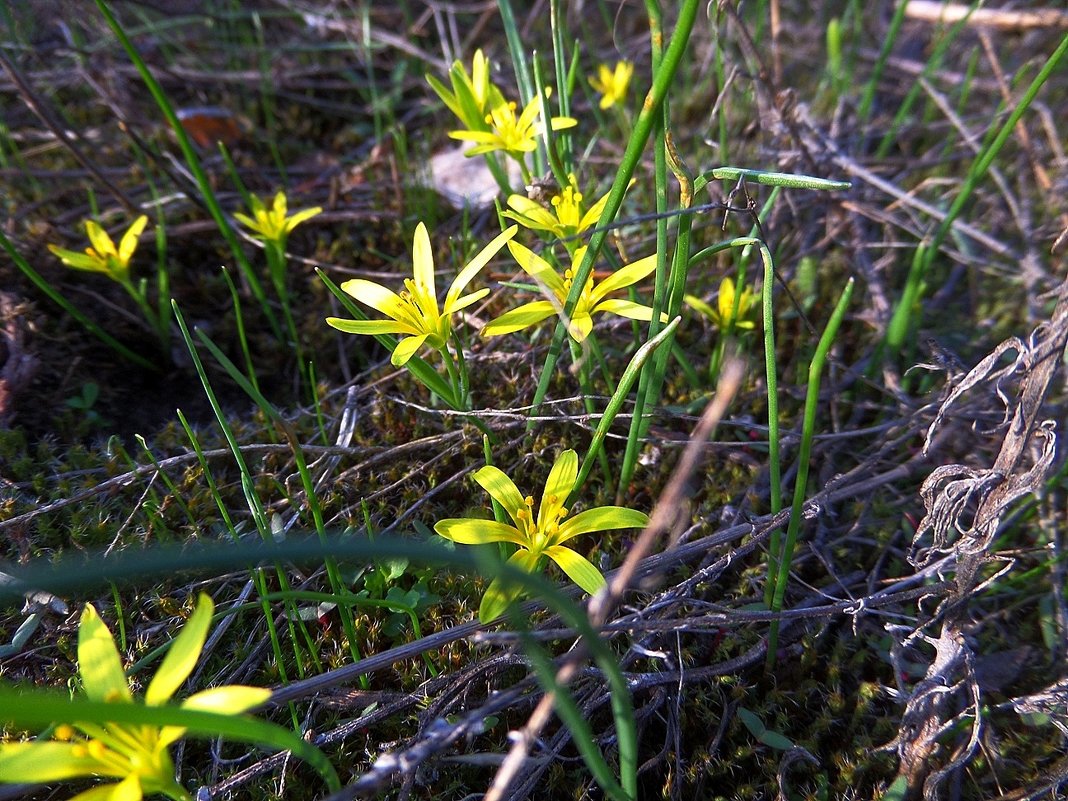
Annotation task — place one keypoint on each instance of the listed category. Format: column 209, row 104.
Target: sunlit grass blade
column 780, row 577
column 983, row 161
column 901, row 320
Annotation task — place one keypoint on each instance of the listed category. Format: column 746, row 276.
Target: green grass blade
column 808, row 432
column 643, row 127
column 41, row 708
column 311, row 498
column 990, row 152
column 573, row 718
column 864, row 110
column 615, row 403
column 193, row 162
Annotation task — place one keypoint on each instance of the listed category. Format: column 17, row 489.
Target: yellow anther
column 97, row 749
column 63, row 732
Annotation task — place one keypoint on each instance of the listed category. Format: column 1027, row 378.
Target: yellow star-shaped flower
column 514, row 134
column 538, row 536
column 273, row 224
column 137, row 755
column 103, row 256
column 594, row 298
column 415, row 311
column 612, row 83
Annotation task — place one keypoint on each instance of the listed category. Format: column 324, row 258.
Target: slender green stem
column 635, row 146
column 780, row 577
column 581, row 360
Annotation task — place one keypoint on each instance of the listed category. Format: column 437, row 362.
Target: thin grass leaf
column 193, row 162
column 651, row 111
column 573, row 718
column 332, row 571
column 615, row 403
column 808, row 432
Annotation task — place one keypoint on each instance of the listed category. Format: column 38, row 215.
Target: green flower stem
column 777, row 580
column 239, row 319
column 772, row 382
column 615, row 403
column 661, row 279
column 582, row 361
column 276, row 266
column 635, row 146
column 456, row 381
column 138, row 295
column 255, row 506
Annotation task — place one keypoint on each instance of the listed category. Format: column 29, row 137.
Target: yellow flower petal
column 463, row 278
column 129, row 240
column 624, row 277
column 537, row 268
column 423, row 261
column 183, row 654
column 579, row 569
column 372, row 327
column 558, row 486
column 99, row 239
column 230, row 699
column 43, row 762
column 601, row 518
column 501, row 593
column 519, row 318
column 502, row 489
column 103, row 678
column 379, row 298
column 407, row 348
column 469, row 531
column 628, row 309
